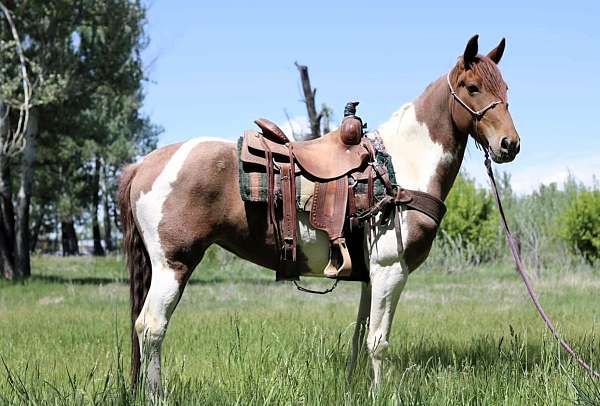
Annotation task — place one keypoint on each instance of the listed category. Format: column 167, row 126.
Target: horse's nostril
column 505, row 144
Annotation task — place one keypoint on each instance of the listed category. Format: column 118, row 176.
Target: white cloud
column 526, row 179
column 584, row 169
column 298, row 126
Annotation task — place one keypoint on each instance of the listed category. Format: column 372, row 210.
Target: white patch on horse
column 149, row 212
column 149, row 205
column 416, row 158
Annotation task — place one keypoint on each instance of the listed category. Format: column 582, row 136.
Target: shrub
column 471, row 223
column 581, row 225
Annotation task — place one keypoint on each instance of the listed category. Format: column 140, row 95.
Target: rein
column 521, row 271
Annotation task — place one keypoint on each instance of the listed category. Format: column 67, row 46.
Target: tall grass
column 461, row 338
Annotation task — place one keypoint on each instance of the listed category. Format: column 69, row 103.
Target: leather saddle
column 327, row 161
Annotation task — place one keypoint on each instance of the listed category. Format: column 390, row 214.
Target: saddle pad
column 253, row 181
column 254, row 186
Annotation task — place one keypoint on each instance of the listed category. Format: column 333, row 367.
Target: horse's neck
column 425, row 147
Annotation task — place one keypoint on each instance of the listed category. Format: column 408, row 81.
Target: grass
column 239, row 338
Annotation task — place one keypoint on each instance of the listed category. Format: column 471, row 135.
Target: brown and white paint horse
column 182, row 198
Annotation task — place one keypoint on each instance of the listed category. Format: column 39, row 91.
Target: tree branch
column 16, row 143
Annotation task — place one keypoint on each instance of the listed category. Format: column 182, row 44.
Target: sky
column 214, row 67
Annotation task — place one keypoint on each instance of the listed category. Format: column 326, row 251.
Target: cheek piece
column 477, row 115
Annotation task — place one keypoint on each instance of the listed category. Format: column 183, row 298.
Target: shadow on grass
column 125, row 281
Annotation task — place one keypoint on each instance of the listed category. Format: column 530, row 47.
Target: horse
column 182, row 198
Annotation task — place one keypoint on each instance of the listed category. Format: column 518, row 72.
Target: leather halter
column 477, row 115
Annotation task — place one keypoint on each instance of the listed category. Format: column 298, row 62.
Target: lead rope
column 523, row 274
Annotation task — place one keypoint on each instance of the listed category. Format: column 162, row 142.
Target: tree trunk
column 7, row 222
column 70, row 245
column 98, row 250
column 7, row 212
column 115, row 215
column 108, row 242
column 309, row 99
column 35, row 231
column 22, row 235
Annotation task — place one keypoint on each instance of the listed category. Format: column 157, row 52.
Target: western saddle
column 334, row 163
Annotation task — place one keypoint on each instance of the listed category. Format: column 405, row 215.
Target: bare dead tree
column 309, row 100
column 13, row 142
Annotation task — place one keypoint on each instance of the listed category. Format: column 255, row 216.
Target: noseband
column 477, row 115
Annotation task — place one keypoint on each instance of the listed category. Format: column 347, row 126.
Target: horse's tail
column 138, row 264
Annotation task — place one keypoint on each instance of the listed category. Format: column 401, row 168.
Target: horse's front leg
column 387, row 283
column 361, row 326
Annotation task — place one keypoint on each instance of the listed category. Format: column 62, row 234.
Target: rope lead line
column 521, row 271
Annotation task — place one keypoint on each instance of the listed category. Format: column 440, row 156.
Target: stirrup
column 340, row 266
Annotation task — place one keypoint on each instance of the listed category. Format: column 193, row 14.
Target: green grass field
column 237, row 337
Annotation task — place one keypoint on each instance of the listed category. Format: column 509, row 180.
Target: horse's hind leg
column 151, row 325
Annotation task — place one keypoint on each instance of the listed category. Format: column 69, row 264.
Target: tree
column 85, row 64
column 471, row 222
column 581, row 225
column 309, row 100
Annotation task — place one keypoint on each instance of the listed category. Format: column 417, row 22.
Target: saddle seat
column 328, row 157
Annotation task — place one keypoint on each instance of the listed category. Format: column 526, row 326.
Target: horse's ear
column 471, row 51
column 496, row 53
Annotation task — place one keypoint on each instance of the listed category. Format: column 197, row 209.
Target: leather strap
column 288, row 252
column 351, row 204
column 271, row 191
column 422, row 202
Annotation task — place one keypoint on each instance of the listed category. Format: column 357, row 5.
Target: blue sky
column 215, row 67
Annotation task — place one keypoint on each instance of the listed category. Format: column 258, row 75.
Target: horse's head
column 479, row 104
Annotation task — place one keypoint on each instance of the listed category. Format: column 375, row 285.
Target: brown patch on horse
column 201, row 211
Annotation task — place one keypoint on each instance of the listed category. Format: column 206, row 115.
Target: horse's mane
column 488, row 71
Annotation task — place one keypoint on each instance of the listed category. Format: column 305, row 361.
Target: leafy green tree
column 471, row 222
column 581, row 225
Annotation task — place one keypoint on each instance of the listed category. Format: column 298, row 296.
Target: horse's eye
column 473, row 89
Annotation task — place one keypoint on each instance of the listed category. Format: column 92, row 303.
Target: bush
column 581, row 225
column 471, row 223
